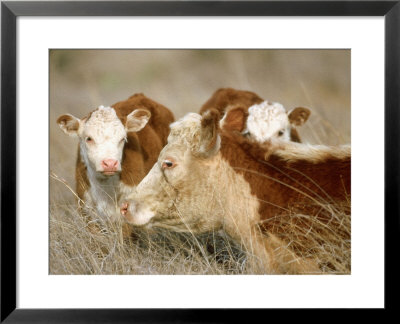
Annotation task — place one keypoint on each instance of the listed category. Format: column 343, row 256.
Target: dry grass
column 325, row 238
column 183, row 81
column 75, row 249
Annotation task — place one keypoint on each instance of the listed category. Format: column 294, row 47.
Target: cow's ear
column 209, row 140
column 69, row 124
column 298, row 116
column 137, row 119
column 234, row 119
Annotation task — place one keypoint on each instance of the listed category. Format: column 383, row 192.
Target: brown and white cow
column 208, row 180
column 118, row 145
column 264, row 119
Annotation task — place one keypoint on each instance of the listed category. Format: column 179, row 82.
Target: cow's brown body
column 280, row 185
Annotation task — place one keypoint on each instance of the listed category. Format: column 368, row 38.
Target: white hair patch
column 268, row 120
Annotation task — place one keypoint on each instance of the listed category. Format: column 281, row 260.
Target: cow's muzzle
column 136, row 213
column 109, row 166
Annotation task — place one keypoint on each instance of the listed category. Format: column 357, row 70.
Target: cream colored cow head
column 189, row 187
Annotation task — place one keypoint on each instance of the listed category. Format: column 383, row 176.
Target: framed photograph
column 323, row 76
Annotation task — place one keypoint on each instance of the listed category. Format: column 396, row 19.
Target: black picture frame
column 11, row 10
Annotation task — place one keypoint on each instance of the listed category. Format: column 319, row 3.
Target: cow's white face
column 102, row 136
column 268, row 120
column 179, row 192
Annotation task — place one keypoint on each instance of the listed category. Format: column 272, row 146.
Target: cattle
column 207, row 179
column 265, row 119
column 118, row 145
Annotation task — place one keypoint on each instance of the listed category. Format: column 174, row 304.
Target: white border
column 363, row 288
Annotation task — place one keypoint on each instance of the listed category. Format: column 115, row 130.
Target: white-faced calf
column 117, row 147
column 270, row 120
column 207, row 180
column 264, row 120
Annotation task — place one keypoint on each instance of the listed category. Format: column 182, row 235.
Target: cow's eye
column 168, row 164
column 89, row 140
column 281, row 132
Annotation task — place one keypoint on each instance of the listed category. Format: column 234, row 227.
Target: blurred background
column 182, row 80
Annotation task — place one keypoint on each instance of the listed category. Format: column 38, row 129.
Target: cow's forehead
column 186, row 130
column 102, row 115
column 104, row 122
column 269, row 113
column 187, row 122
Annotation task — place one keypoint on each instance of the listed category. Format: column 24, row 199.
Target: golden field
column 182, row 80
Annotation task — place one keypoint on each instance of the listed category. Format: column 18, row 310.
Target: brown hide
column 160, row 119
column 294, row 135
column 282, row 187
column 225, row 97
column 142, row 149
column 235, row 118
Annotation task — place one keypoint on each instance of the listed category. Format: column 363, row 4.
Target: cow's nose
column 124, row 208
column 126, row 211
column 109, row 165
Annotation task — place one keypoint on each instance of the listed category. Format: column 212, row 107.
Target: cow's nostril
column 109, row 164
column 124, row 208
